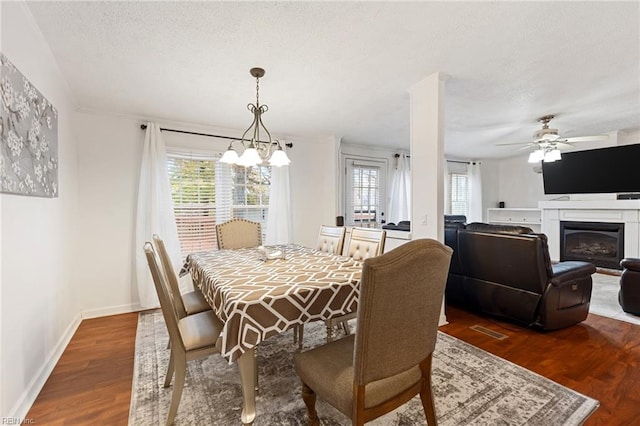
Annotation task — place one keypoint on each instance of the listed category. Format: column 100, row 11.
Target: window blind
column 459, row 194
column 363, row 195
column 193, row 191
column 250, row 194
column 206, row 192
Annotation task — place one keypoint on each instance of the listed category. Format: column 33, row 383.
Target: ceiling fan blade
column 514, row 143
column 562, row 145
column 586, row 138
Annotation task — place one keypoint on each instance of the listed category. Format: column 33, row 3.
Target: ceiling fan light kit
column 548, row 154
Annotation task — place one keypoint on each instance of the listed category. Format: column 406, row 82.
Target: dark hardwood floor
column 600, row 358
column 91, row 384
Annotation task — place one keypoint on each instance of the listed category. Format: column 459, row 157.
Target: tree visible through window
column 206, row 192
column 251, row 193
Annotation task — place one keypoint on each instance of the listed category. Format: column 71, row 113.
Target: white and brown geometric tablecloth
column 257, row 299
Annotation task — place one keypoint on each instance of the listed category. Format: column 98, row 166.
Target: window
column 206, row 192
column 459, row 184
column 251, row 193
column 365, row 186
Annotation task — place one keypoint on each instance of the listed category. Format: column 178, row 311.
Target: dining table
column 259, row 292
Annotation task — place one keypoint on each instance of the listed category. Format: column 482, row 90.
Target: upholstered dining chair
column 238, row 233
column 388, row 360
column 363, row 244
column 192, row 337
column 188, row 303
column 331, row 239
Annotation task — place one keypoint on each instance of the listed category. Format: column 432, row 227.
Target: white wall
column 109, row 156
column 490, row 186
column 39, row 304
column 519, row 185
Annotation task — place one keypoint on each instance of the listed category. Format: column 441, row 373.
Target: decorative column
column 427, row 161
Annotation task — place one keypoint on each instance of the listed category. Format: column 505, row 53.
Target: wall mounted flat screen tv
column 604, row 170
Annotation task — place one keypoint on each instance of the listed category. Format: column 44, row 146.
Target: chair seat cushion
column 328, row 370
column 195, row 302
column 200, row 330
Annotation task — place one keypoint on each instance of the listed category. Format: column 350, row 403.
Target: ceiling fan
column 547, row 143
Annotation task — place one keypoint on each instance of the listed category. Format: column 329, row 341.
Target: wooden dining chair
column 388, row 360
column 363, row 244
column 331, row 239
column 238, row 233
column 188, row 303
column 192, row 337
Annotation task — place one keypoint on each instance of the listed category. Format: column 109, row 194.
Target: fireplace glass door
column 599, row 243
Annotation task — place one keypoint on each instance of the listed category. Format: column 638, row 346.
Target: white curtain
column 154, row 214
column 447, row 189
column 400, row 199
column 475, row 192
column 279, row 230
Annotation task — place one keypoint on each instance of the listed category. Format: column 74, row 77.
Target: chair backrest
column 170, row 276
column 238, row 233
column 401, row 295
column 331, row 239
column 365, row 243
column 166, row 302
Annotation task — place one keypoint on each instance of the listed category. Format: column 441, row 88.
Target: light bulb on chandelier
column 256, row 151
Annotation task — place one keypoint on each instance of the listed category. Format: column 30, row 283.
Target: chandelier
column 256, row 151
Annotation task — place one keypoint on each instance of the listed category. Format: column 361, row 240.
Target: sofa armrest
column 567, row 272
column 631, row 264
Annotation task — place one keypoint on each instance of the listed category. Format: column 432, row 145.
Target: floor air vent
column 489, row 332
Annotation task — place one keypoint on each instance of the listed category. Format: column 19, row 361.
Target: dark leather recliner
column 506, row 271
column 629, row 295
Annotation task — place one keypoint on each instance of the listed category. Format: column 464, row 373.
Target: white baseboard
column 20, row 410
column 110, row 310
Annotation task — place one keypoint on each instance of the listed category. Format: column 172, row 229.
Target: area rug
column 604, row 299
column 471, row 387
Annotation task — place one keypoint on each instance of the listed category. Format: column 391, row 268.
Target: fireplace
column 597, row 242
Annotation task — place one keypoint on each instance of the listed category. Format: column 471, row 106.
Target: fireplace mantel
column 616, row 211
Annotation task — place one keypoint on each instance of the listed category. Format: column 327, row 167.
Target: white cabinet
column 516, row 216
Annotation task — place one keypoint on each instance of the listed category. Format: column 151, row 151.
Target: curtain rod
column 162, row 129
column 450, row 161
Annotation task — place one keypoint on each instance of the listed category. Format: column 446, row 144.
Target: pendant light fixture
column 256, row 151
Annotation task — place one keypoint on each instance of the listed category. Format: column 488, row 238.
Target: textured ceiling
column 345, row 68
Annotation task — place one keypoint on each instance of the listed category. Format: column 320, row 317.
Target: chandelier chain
column 257, row 92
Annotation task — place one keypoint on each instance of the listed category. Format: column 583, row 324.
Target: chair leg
column 309, row 398
column 256, row 377
column 345, row 327
column 300, row 336
column 181, row 371
column 329, row 325
column 170, row 367
column 426, row 393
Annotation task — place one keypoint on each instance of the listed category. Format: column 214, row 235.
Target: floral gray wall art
column 29, row 136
